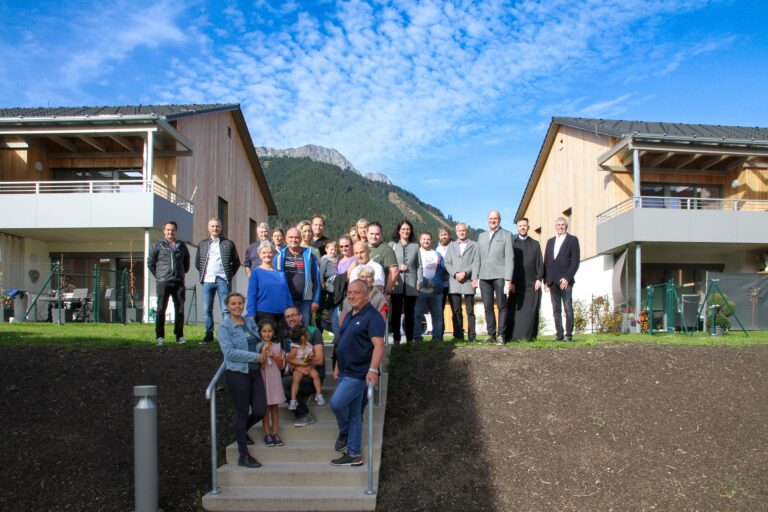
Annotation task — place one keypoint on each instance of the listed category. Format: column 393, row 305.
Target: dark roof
column 168, row 112
column 619, row 128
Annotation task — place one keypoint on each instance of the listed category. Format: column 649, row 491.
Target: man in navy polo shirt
column 358, row 355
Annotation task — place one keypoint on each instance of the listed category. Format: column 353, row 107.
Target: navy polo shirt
column 355, row 348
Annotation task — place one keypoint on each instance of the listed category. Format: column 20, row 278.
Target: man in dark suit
column 561, row 261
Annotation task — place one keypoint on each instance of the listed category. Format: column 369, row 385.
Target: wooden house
column 90, row 187
column 651, row 202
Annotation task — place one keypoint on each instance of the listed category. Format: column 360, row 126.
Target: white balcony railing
column 97, row 187
column 682, row 203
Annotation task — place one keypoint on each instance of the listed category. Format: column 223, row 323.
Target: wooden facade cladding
column 220, row 168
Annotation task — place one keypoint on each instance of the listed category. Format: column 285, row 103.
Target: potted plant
column 723, row 309
column 6, row 301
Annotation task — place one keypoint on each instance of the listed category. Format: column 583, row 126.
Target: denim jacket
column 234, row 346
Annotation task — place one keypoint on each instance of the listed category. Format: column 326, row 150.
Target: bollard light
column 145, row 448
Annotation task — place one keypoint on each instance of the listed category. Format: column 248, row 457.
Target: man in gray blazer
column 492, row 272
column 459, row 258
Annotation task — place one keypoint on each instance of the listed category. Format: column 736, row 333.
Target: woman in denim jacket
column 239, row 343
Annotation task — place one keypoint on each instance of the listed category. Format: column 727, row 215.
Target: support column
column 636, row 176
column 145, row 313
column 638, row 291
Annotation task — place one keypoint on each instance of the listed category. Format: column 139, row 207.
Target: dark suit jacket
column 567, row 262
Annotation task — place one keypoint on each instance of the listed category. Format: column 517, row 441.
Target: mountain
column 314, row 153
column 302, row 187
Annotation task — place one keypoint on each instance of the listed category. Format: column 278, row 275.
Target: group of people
column 273, row 351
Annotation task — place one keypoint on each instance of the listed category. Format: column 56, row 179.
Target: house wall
column 571, row 178
column 220, row 168
column 19, row 164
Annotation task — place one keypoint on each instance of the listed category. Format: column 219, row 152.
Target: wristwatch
column 374, row 370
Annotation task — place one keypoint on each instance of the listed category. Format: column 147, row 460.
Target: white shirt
column 559, row 239
column 214, row 268
column 463, row 246
column 378, row 272
column 429, row 261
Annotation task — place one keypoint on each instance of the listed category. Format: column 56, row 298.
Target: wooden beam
column 756, row 165
column 698, row 172
column 659, row 159
column 118, row 154
column 703, row 149
column 615, row 168
column 74, row 131
column 688, row 160
column 627, row 158
column 124, row 154
column 93, row 142
column 14, row 145
column 63, row 143
column 182, row 139
column 613, row 151
column 123, row 142
column 715, row 160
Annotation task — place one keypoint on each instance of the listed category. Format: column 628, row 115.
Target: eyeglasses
column 345, row 246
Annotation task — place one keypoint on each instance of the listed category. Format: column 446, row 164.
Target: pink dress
column 271, row 375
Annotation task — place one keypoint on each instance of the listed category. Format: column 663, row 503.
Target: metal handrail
column 210, row 394
column 370, row 490
column 683, row 203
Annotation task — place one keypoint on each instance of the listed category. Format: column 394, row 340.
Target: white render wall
column 593, row 279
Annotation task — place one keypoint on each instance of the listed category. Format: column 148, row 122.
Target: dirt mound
column 633, row 427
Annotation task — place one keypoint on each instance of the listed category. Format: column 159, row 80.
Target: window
column 680, row 196
column 252, row 231
column 224, row 216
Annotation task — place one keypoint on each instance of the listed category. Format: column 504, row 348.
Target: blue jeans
column 346, row 404
column 305, row 308
column 432, row 303
column 221, row 286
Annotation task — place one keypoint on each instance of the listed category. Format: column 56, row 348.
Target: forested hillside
column 302, row 187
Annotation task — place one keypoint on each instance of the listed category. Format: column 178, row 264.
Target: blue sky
column 449, row 99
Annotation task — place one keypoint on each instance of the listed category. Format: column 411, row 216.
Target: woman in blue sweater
column 239, row 344
column 268, row 294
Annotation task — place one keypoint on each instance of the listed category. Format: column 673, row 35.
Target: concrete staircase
column 299, row 476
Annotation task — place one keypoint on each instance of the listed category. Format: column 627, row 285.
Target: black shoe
column 569, row 338
column 472, row 338
column 208, row 338
column 341, row 442
column 558, row 338
column 348, row 460
column 490, row 339
column 458, row 338
column 248, row 462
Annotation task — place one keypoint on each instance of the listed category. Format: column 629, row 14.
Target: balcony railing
column 97, row 187
column 682, row 203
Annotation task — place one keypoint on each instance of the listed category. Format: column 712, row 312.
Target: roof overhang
column 108, row 136
column 681, row 153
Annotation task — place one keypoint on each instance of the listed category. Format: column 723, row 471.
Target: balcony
column 45, row 205
column 682, row 220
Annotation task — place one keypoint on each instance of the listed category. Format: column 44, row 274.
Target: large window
column 681, row 196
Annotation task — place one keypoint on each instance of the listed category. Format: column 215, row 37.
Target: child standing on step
column 272, row 361
column 300, row 360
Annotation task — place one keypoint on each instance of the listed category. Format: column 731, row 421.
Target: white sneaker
column 293, row 405
column 181, row 340
column 160, row 340
column 320, row 400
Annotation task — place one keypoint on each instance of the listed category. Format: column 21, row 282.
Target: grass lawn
column 105, row 335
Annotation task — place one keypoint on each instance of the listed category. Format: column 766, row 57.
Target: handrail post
column 214, row 448
column 210, row 394
column 370, row 490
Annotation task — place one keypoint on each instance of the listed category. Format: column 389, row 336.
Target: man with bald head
column 492, row 272
column 302, row 272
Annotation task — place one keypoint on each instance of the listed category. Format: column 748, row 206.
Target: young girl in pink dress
column 272, row 361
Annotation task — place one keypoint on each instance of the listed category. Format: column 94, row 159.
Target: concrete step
column 292, row 475
column 299, row 451
column 279, row 499
column 321, row 430
column 325, row 412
